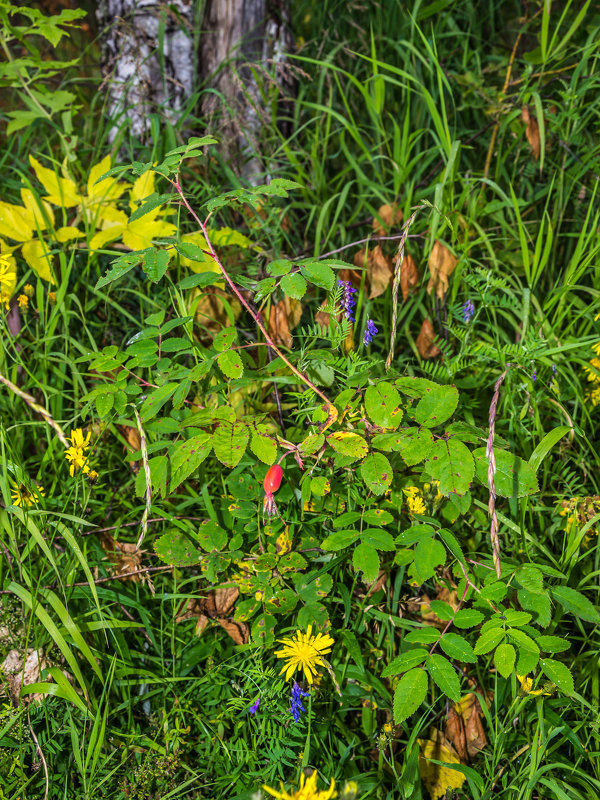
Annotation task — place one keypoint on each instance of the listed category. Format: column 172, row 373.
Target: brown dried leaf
column 464, row 727
column 134, row 444
column 125, row 557
column 210, row 311
column 217, row 605
column 441, row 265
column 389, row 216
column 378, row 584
column 283, row 318
column 409, row 277
column 23, row 669
column 425, row 341
column 437, row 778
column 379, row 269
column 532, row 131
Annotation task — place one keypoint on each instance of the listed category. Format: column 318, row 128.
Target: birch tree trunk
column 148, row 59
column 243, row 48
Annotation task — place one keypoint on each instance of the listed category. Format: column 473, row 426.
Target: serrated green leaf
column 559, row 674
column 436, row 405
column 311, row 444
column 119, row 267
column 505, row 656
column 376, row 472
column 293, row 285
column 514, row 477
column 444, row 675
column 488, row 640
column 230, row 440
column 365, row 559
column 524, row 641
column 230, row 364
column 211, row 537
column 224, row 339
column 348, row 444
column 175, row 548
column 450, row 462
column 537, row 603
column 429, row 554
column 531, row 578
column 382, row 404
column 576, row 603
column 188, row 456
column 263, row 444
column 457, row 647
column 155, row 263
column 318, row 274
column 424, row 635
column 381, row 540
column 405, row 661
column 552, row 644
column 527, row 661
column 156, row 400
column 340, row 539
column 410, row 693
column 151, row 202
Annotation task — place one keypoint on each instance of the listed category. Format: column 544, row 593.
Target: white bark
column 142, row 73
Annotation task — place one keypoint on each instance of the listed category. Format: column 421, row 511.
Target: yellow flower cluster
column 578, row 511
column 593, row 372
column 76, row 454
column 414, row 500
column 306, row 791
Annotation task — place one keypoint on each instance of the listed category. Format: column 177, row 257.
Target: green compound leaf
column 552, row 644
column 458, row 648
column 155, row 263
column 294, row 286
column 444, row 675
column 514, row 477
column 538, row 603
column 319, row 274
column 558, row 674
column 380, row 540
column 348, row 444
column 409, row 694
column 339, row 539
column 188, row 456
column 376, row 472
column 365, row 559
column 436, row 406
column 413, row 444
column 176, row 549
column 505, row 656
column 382, row 404
column 450, row 462
column 531, row 578
column 230, row 440
column 404, row 662
column 576, row 603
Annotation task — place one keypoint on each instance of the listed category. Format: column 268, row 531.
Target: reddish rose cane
column 271, row 484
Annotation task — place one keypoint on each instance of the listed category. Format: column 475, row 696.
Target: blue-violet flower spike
column 370, row 331
column 468, row 310
column 348, row 301
column 254, row 707
column 296, row 706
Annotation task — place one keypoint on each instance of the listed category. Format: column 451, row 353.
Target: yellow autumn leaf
column 8, row 272
column 37, row 255
column 61, row 191
column 107, row 190
column 139, row 234
column 142, row 188
column 13, row 223
column 437, row 778
column 68, row 233
column 37, row 213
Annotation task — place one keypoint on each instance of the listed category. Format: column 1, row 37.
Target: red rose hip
column 273, row 479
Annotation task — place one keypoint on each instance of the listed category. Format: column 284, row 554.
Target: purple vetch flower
column 554, row 369
column 348, row 301
column 254, row 707
column 296, row 706
column 468, row 310
column 370, row 332
column 534, row 375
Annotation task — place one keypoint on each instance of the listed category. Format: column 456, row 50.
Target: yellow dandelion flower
column 92, row 476
column 593, row 370
column 306, row 791
column 28, row 290
column 305, row 651
column 24, row 498
column 23, row 301
column 596, row 348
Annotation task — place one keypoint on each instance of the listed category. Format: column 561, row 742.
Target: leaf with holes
column 450, row 462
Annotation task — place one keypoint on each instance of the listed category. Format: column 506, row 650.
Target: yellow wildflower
column 21, row 496
column 527, row 684
column 23, row 301
column 414, row 500
column 28, row 290
column 76, row 453
column 52, row 297
column 307, row 790
column 594, row 370
column 305, row 651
